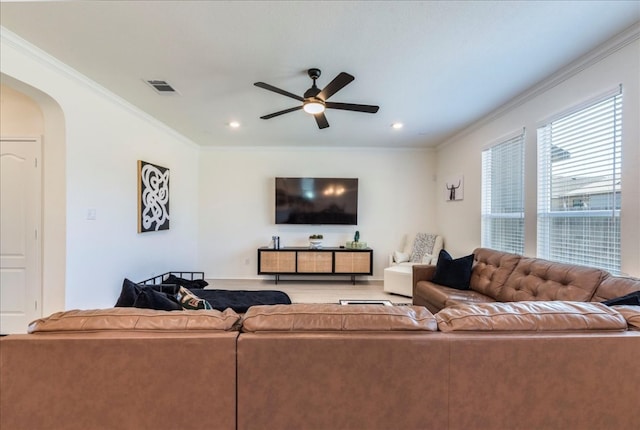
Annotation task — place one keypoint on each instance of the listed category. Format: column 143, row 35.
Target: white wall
column 237, row 195
column 104, row 139
column 460, row 221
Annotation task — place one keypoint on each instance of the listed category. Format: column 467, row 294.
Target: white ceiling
column 436, row 66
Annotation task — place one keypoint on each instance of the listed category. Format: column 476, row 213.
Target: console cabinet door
column 353, row 262
column 315, row 262
column 277, row 261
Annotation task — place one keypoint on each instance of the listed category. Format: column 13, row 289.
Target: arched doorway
column 52, row 233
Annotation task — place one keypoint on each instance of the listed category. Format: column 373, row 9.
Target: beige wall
column 460, row 221
column 20, row 116
column 396, row 189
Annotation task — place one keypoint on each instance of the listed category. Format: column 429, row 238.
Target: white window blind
column 579, row 185
column 503, row 196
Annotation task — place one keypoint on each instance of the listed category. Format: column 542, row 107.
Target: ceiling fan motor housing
column 312, row 92
column 314, row 73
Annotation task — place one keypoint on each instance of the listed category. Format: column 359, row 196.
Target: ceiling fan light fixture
column 313, row 106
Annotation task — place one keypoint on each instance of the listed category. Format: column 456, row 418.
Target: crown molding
column 33, row 52
column 626, row 37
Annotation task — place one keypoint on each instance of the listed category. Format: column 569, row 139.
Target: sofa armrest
column 422, row 272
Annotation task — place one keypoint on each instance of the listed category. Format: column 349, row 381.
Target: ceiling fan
column 315, row 100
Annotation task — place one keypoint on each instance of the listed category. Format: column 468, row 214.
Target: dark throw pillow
column 187, row 283
column 164, row 288
column 130, row 291
column 630, row 299
column 148, row 297
column 453, row 273
column 152, row 299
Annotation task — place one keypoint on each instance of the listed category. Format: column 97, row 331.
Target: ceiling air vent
column 162, row 87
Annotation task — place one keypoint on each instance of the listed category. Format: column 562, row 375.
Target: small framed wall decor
column 454, row 188
column 153, row 197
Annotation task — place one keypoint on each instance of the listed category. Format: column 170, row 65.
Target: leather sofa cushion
column 127, row 319
column 440, row 296
column 491, row 270
column 538, row 279
column 530, row 316
column 631, row 314
column 334, row 317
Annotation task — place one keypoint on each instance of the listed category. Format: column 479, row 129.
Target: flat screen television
column 317, row 201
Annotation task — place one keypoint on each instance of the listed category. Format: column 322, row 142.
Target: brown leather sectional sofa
column 529, row 365
column 502, row 277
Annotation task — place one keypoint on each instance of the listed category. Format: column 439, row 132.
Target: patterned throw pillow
column 423, row 244
column 188, row 300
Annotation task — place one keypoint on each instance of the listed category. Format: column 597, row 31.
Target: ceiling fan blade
column 271, row 115
column 353, row 107
column 277, row 90
column 338, row 83
column 321, row 120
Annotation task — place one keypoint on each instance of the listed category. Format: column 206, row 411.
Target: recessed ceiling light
column 397, row 125
column 234, row 124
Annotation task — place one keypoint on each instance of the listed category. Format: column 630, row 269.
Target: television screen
column 317, row 201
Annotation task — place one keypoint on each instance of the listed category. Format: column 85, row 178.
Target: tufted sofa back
column 491, row 270
column 615, row 286
column 538, row 279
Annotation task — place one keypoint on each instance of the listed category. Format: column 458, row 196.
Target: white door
column 20, row 243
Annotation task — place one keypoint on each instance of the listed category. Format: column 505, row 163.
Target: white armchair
column 423, row 248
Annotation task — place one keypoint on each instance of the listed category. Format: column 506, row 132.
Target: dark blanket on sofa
column 241, row 300
column 630, row 299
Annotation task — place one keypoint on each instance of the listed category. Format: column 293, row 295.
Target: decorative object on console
column 356, row 245
column 315, row 241
column 153, row 197
column 453, row 273
column 275, row 240
column 454, row 188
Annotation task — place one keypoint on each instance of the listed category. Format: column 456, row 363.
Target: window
column 503, row 196
column 579, row 187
